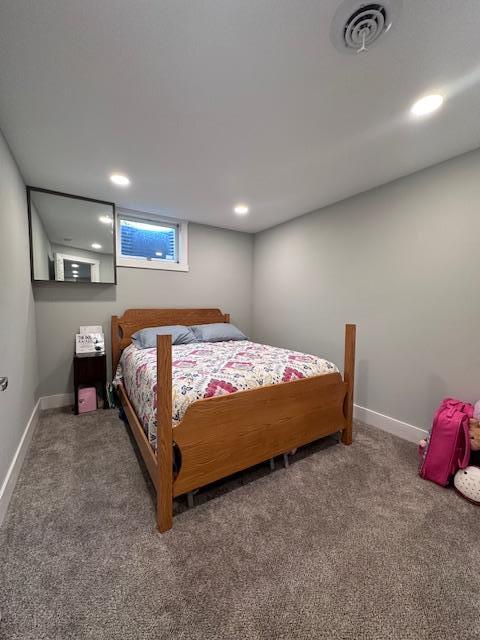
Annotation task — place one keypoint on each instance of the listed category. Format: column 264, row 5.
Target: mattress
column 204, row 370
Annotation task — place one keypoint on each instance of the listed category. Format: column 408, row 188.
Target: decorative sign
column 89, row 343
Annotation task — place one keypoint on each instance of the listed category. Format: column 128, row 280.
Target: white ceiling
column 205, row 104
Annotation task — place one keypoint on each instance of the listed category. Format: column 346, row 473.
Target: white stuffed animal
column 467, row 484
column 476, row 410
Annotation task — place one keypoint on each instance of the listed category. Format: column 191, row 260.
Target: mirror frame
column 71, row 195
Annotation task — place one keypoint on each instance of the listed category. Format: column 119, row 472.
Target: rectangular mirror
column 72, row 239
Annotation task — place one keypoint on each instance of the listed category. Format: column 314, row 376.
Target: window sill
column 147, row 264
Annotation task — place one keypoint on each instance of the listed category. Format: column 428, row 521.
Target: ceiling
column 207, row 104
column 74, row 223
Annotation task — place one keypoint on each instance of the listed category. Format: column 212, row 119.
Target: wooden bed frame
column 221, row 435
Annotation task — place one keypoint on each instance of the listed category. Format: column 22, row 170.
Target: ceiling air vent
column 358, row 25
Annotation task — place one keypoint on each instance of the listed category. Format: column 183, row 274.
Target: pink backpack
column 448, row 447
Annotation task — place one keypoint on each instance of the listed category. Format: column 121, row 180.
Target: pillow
column 147, row 338
column 217, row 332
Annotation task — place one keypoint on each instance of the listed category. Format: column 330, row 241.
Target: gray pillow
column 147, row 338
column 217, row 332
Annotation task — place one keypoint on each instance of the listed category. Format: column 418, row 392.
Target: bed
column 220, row 408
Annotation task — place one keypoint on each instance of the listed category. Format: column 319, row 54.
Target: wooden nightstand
column 90, row 369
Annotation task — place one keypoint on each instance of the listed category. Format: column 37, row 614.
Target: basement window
column 150, row 242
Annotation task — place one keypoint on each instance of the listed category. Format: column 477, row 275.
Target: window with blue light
column 148, row 240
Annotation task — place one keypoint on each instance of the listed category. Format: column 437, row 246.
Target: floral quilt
column 204, row 370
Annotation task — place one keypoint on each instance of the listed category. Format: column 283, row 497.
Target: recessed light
column 75, row 272
column 75, row 275
column 159, row 254
column 241, row 209
column 74, row 265
column 427, row 104
column 120, row 180
column 105, row 219
column 95, row 245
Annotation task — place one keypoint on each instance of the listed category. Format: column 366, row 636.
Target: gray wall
column 220, row 276
column 18, row 355
column 401, row 261
column 41, row 247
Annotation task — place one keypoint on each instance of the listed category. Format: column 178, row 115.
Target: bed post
column 226, row 317
column 164, row 434
column 349, row 378
column 115, row 344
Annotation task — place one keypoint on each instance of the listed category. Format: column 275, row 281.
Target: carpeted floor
column 346, row 543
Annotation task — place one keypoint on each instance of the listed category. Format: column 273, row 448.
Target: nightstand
column 90, row 369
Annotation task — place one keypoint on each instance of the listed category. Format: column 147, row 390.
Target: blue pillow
column 217, row 332
column 147, row 338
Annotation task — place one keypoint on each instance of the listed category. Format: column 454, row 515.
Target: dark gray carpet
column 346, row 543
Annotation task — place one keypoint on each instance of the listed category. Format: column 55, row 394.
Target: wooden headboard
column 124, row 327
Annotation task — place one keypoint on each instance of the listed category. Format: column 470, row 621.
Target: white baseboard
column 56, row 401
column 391, row 425
column 13, row 472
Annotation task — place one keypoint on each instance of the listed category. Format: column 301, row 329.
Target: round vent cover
column 358, row 25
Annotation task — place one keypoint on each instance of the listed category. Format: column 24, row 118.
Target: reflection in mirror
column 72, row 238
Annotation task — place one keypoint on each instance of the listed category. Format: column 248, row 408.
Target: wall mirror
column 72, row 239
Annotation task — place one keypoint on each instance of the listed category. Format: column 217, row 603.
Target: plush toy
column 476, row 410
column 474, row 431
column 467, row 484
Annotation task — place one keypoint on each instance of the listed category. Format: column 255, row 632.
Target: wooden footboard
column 222, row 435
